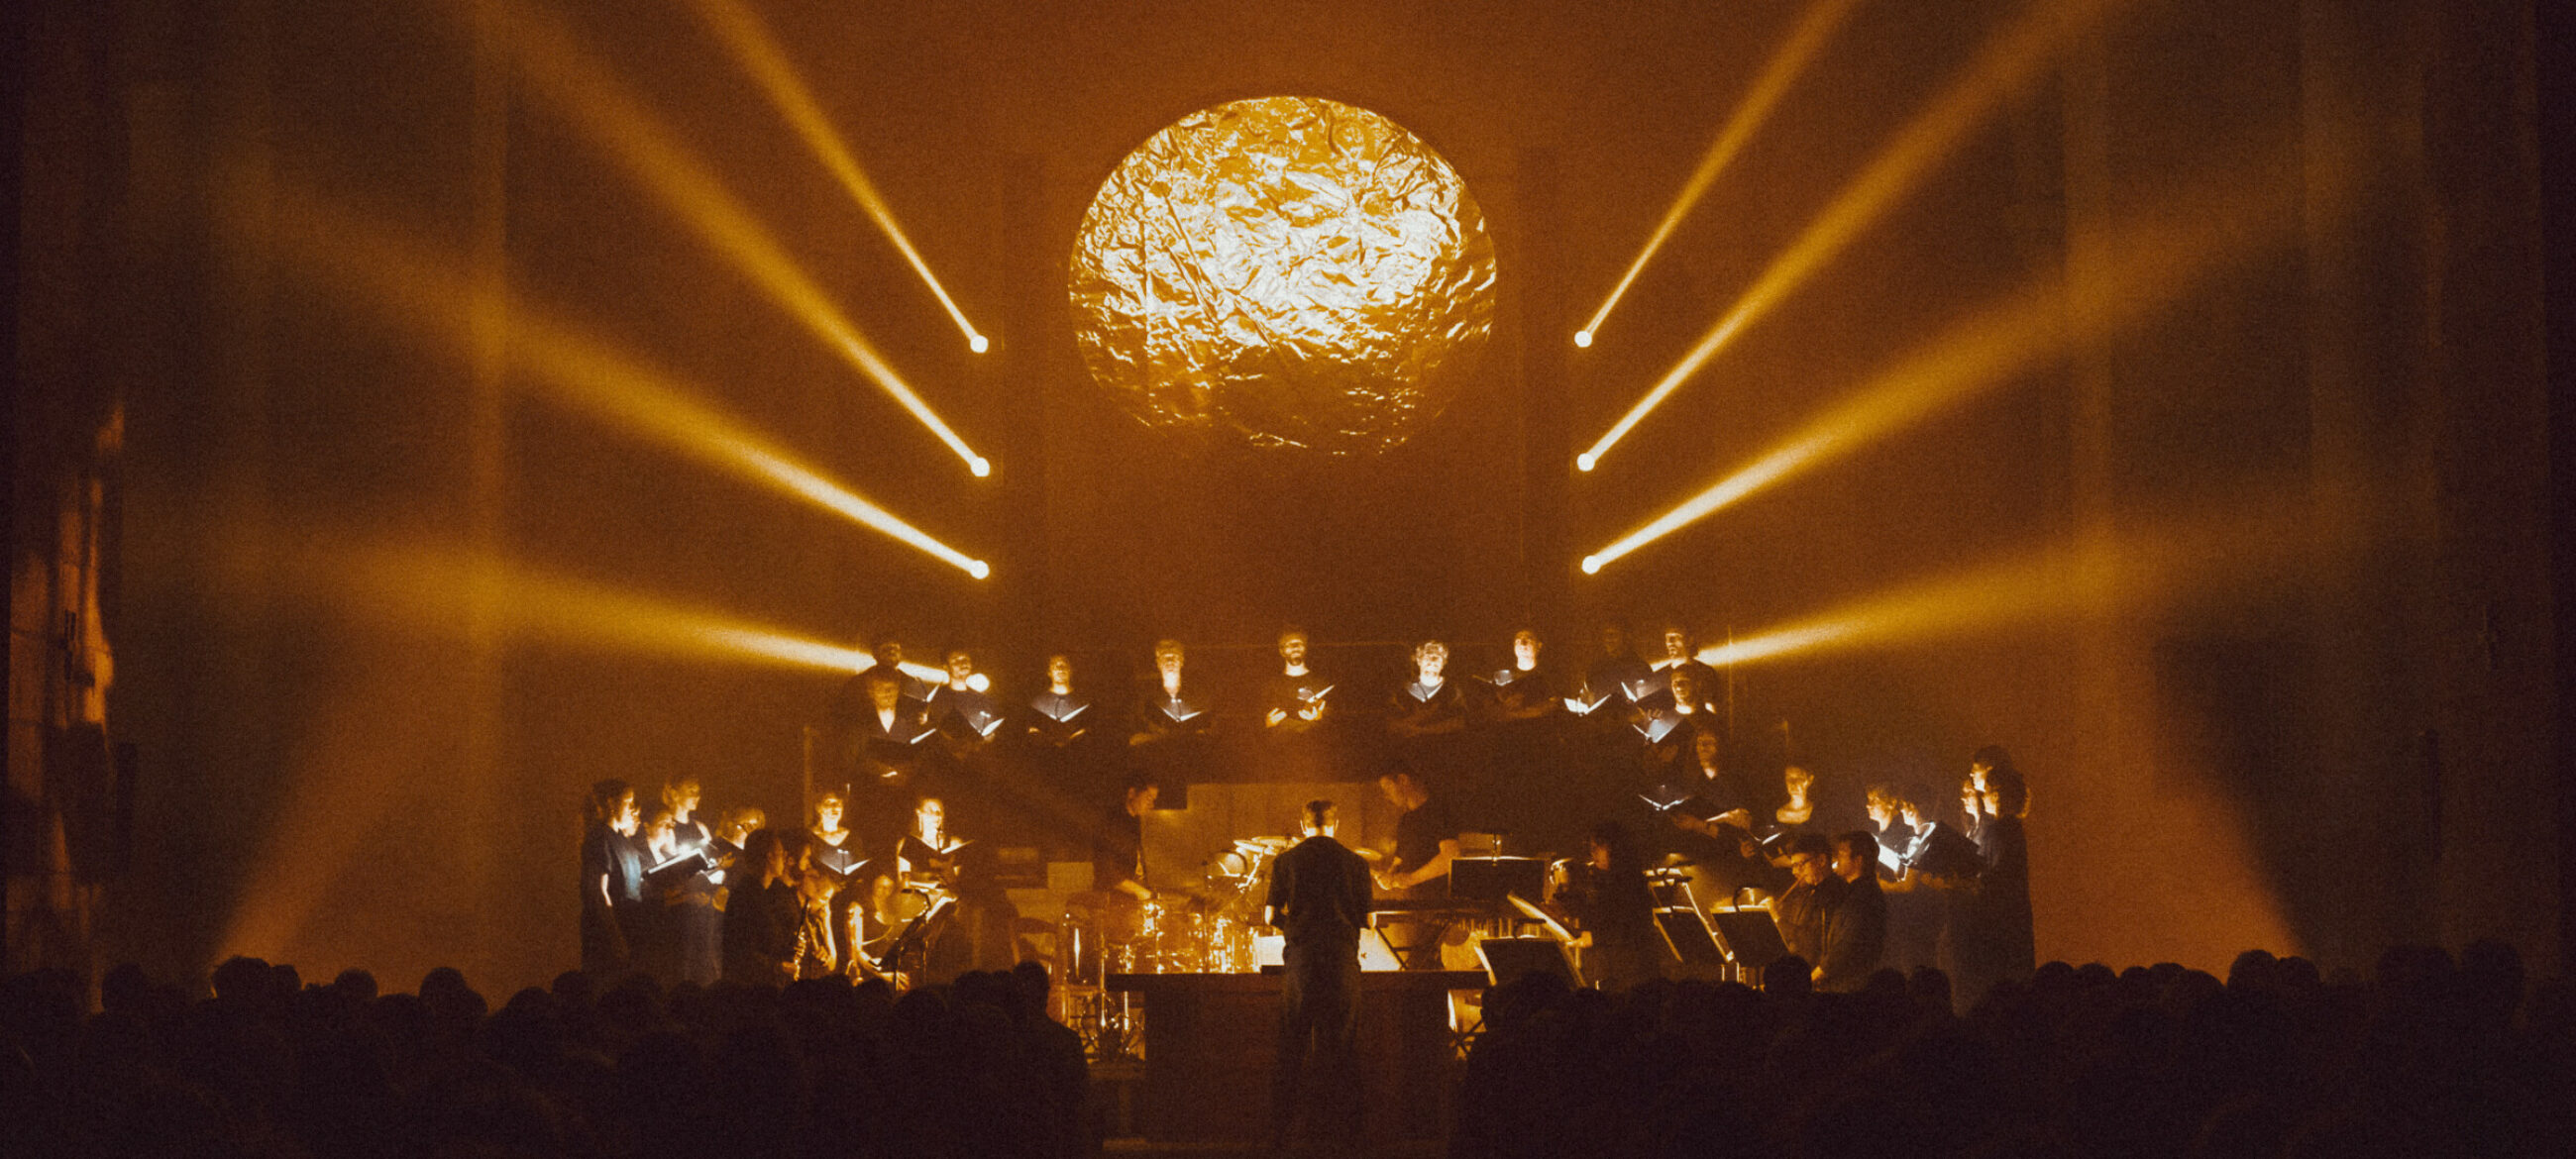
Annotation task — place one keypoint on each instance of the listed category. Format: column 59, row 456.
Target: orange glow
column 1822, row 18
column 2146, row 269
column 2248, row 546
column 2007, row 65
column 760, row 55
column 428, row 587
column 558, row 69
column 574, row 369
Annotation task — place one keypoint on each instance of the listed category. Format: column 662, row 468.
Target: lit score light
column 549, row 58
column 1996, row 74
column 1813, row 29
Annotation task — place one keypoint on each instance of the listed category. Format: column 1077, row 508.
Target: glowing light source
column 574, row 369
column 2258, row 541
column 2145, row 268
column 547, row 57
column 981, row 466
column 1812, row 31
column 1585, row 461
column 2002, row 69
column 1292, row 271
column 759, row 54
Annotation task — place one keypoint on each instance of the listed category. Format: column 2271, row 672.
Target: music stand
column 1748, row 937
column 1494, row 878
column 1688, row 937
column 1506, row 959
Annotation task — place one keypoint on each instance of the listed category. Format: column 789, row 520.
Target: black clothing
column 1801, row 913
column 1618, row 910
column 1319, row 895
column 1295, row 748
column 1118, row 849
column 1319, row 898
column 1056, row 721
column 1855, row 935
column 1169, row 738
column 760, row 933
column 1418, row 834
column 608, row 919
column 1995, row 941
column 690, row 908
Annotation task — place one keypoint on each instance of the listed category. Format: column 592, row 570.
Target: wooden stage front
column 1211, row 1041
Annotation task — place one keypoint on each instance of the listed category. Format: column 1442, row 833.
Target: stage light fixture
column 574, row 369
column 1822, row 18
column 2007, row 64
column 759, row 54
column 2143, row 269
column 548, row 58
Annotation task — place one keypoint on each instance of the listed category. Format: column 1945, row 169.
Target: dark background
column 2322, row 757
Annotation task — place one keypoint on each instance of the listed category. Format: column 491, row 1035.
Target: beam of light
column 1818, row 25
column 2258, row 542
column 2147, row 267
column 547, row 57
column 760, row 55
column 2007, row 64
column 572, row 368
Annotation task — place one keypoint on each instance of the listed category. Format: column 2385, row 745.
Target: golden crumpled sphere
column 1297, row 271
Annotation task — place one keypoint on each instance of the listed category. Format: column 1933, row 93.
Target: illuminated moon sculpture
column 1297, row 271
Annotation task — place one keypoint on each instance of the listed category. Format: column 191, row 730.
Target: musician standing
column 1426, row 841
column 1118, row 857
column 1296, row 704
column 1319, row 898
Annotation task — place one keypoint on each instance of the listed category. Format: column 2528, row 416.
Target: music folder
column 680, row 867
column 1180, row 711
column 1655, row 728
column 1583, row 703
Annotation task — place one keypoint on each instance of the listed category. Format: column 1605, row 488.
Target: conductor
column 1319, row 898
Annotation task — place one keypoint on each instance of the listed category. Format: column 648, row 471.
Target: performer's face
column 626, row 818
column 1431, row 660
column 1704, row 748
column 1059, row 671
column 1879, row 812
column 1613, row 640
column 1685, row 690
column 1809, row 868
column 827, row 814
column 1525, row 649
column 960, row 666
column 1600, row 855
column 1845, row 866
column 1977, row 775
column 684, row 798
column 1676, row 645
column 1168, row 662
column 1292, row 647
column 889, row 655
column 930, row 816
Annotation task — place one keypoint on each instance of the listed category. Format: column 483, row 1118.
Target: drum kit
column 1209, row 930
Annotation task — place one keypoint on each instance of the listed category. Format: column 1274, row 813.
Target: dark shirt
column 1515, row 692
column 1616, row 677
column 1411, row 712
column 1319, row 894
column 839, row 860
column 1056, row 720
column 1855, row 935
column 1801, row 913
column 1118, row 854
column 1419, row 832
column 1291, row 694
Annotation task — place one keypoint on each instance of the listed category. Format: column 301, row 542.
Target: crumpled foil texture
column 1297, row 271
